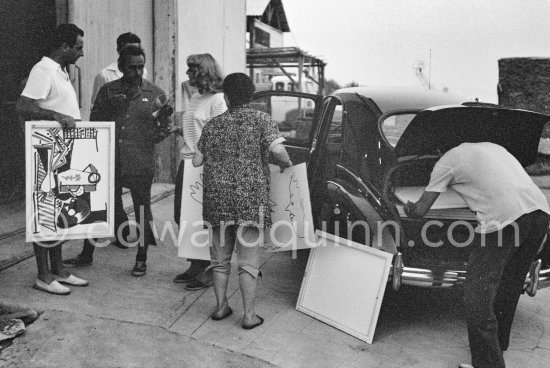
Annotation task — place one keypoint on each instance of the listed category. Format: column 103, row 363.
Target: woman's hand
column 410, row 209
column 284, row 165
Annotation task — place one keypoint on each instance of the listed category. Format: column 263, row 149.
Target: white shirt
column 106, row 75
column 201, row 109
column 49, row 85
column 491, row 181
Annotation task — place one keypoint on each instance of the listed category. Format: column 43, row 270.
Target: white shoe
column 73, row 280
column 465, row 365
column 54, row 287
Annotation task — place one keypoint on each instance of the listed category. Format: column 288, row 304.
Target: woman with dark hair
column 235, row 148
column 205, row 102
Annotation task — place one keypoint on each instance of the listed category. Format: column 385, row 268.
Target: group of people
column 219, row 130
column 234, row 142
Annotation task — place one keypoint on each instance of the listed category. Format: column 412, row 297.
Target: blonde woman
column 205, row 102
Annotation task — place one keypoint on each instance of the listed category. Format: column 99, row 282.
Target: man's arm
column 99, row 81
column 420, row 208
column 28, row 109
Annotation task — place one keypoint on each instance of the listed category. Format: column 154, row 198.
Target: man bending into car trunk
column 512, row 215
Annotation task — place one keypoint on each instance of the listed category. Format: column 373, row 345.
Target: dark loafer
column 77, row 261
column 140, row 269
column 185, row 277
column 197, row 284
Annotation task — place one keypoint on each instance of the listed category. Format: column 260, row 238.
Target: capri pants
column 246, row 242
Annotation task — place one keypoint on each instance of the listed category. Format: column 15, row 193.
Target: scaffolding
column 285, row 59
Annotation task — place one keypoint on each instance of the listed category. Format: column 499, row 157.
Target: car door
column 297, row 115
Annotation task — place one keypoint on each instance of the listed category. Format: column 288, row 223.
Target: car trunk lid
column 437, row 130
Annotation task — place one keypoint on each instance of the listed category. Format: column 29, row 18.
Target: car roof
column 389, row 98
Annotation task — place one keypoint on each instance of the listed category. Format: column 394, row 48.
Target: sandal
column 225, row 315
column 250, row 327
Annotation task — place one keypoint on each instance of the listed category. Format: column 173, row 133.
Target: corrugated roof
column 256, row 8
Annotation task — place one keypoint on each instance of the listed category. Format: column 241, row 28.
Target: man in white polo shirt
column 49, row 95
column 111, row 72
column 513, row 220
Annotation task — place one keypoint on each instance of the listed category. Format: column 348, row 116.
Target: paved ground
column 123, row 321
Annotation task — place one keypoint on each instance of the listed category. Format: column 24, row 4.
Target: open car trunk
column 445, row 237
column 441, row 238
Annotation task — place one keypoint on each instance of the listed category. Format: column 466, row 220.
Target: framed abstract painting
column 69, row 180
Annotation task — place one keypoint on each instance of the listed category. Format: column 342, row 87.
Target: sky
column 378, row 42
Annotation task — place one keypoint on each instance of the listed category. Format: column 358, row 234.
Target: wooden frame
column 70, row 175
column 344, row 285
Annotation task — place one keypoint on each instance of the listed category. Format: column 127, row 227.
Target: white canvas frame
column 191, row 230
column 344, row 285
column 86, row 149
column 291, row 213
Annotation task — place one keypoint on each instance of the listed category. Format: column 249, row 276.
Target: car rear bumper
column 402, row 275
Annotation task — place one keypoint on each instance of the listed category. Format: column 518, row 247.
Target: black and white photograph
column 274, row 183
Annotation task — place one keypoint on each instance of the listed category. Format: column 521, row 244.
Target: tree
column 330, row 86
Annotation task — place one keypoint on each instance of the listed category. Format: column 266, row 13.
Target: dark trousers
column 140, row 190
column 494, row 282
column 177, row 211
column 45, row 251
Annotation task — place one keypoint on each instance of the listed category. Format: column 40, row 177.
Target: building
column 267, row 57
column 169, row 29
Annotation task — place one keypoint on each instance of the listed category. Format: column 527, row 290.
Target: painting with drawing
column 290, row 213
column 69, row 181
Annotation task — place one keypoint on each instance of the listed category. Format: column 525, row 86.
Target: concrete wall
column 102, row 22
column 154, row 22
column 170, row 30
column 165, row 77
column 214, row 26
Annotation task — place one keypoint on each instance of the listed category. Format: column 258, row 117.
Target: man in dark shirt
column 131, row 101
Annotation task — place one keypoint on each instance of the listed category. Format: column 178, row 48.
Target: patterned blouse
column 236, row 148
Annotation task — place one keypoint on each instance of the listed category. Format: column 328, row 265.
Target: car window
column 393, row 126
column 294, row 115
column 333, row 146
column 335, row 132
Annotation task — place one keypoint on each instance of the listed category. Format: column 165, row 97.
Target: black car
column 370, row 149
